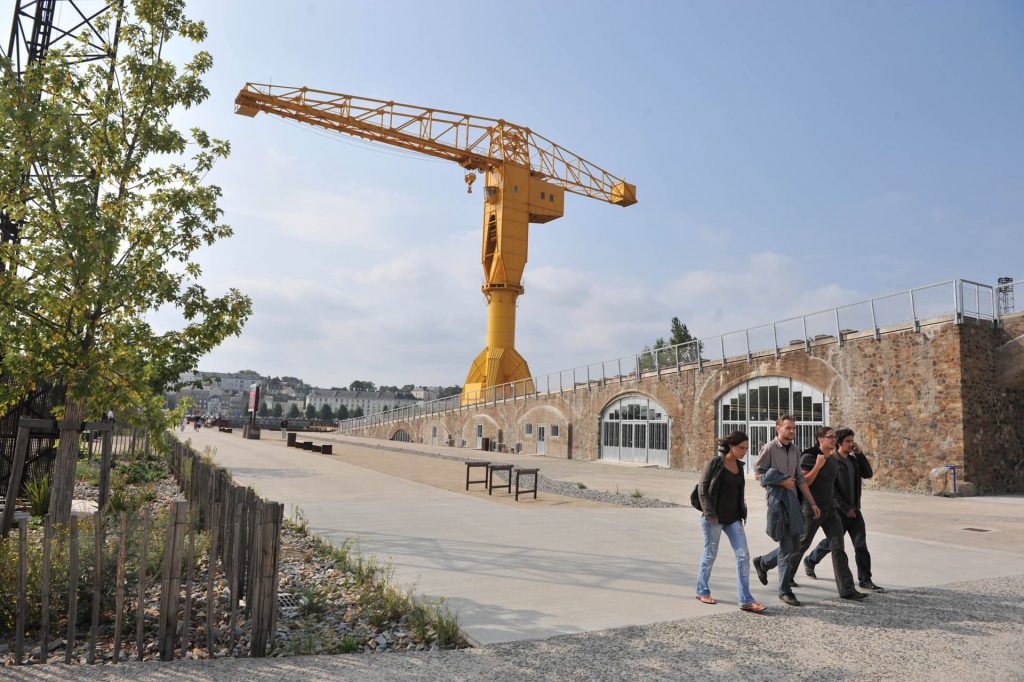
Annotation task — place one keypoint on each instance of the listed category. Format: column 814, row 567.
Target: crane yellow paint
column 525, row 180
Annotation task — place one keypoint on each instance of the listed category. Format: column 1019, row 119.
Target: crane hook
column 470, row 179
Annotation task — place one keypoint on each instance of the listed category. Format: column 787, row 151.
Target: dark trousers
column 859, row 537
column 790, row 560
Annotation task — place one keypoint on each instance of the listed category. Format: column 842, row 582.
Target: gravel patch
column 971, row 630
column 547, row 485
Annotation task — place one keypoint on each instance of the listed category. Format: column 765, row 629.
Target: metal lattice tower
column 38, row 26
column 1005, row 290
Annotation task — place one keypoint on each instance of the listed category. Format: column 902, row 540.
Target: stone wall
column 916, row 399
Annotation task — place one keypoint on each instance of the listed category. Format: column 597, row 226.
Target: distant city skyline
column 788, row 158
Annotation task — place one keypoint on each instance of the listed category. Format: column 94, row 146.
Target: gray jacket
column 784, row 515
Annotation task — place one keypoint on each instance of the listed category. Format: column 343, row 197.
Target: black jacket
column 707, row 489
column 847, row 499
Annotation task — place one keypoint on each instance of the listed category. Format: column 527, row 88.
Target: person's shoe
column 855, row 595
column 868, row 585
column 793, row 583
column 762, row 574
column 789, row 598
column 809, row 570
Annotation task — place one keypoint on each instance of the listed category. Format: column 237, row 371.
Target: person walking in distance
column 724, row 510
column 853, row 467
column 778, row 469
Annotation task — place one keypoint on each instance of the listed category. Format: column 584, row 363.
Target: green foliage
column 342, row 412
column 581, row 485
column 264, row 410
column 348, row 645
column 636, row 493
column 38, row 492
column 293, row 412
column 278, row 410
column 310, row 412
column 312, row 600
column 447, row 628
column 357, row 412
column 88, row 472
column 326, row 413
column 139, row 471
column 112, row 219
column 362, row 386
column 383, row 602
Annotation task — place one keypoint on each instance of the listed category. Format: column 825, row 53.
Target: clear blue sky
column 788, row 157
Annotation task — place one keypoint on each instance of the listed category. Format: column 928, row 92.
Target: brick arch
column 402, row 426
column 630, row 394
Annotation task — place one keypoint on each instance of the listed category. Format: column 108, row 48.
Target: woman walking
column 724, row 509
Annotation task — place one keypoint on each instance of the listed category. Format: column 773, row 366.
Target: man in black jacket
column 854, row 467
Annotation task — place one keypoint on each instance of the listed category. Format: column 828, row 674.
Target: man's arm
column 863, row 465
column 812, row 467
column 805, row 489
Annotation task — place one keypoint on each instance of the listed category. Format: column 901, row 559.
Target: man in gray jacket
column 783, row 455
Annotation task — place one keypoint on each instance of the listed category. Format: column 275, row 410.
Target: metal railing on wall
column 956, row 300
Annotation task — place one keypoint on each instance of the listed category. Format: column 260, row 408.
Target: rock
column 382, row 640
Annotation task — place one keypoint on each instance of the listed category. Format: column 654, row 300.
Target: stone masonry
column 917, row 400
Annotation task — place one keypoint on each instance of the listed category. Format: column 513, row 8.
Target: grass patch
column 636, row 493
column 581, row 485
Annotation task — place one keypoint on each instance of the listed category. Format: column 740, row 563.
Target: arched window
column 753, row 407
column 635, row 429
column 402, row 435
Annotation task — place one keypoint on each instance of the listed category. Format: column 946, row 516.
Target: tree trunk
column 62, row 489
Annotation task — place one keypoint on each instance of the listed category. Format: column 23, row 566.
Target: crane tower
column 525, row 180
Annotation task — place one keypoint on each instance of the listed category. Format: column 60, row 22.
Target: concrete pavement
column 525, row 571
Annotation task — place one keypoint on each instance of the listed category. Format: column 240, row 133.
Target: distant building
column 371, row 402
column 426, row 392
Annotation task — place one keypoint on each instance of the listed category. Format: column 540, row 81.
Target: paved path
column 517, row 572
column 967, row 631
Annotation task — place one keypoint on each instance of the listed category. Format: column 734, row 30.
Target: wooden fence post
column 188, row 584
column 171, row 583
column 263, row 593
column 106, row 461
column 14, row 481
column 97, row 585
column 19, row 637
column 69, row 646
column 234, row 584
column 140, row 616
column 119, row 594
column 210, row 597
column 44, row 607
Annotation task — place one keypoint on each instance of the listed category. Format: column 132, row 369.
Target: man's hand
column 819, row 461
column 815, row 511
column 851, row 514
column 857, row 450
column 788, row 484
column 713, row 520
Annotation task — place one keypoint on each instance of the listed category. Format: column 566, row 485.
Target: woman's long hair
column 734, row 438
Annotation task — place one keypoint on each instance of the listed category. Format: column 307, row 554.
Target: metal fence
column 957, row 300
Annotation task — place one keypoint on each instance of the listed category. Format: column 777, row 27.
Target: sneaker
column 789, row 598
column 868, row 585
column 762, row 574
column 855, row 595
column 809, row 570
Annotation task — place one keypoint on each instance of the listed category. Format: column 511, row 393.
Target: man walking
column 783, row 456
column 853, row 467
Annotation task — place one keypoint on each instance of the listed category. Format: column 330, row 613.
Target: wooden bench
column 491, row 468
column 536, row 480
column 473, row 465
column 224, row 429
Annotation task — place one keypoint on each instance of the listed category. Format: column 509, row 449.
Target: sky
column 788, row 157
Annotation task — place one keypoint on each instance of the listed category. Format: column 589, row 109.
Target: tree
column 358, row 412
column 108, row 228
column 294, row 412
column 277, row 411
column 326, row 413
column 362, row 386
column 689, row 348
column 342, row 412
column 310, row 412
column 263, row 411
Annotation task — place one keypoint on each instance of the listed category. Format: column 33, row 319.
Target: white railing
column 952, row 300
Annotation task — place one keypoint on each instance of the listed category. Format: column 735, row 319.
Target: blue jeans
column 738, row 540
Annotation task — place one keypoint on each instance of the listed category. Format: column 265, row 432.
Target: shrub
column 446, row 626
column 38, row 492
column 636, row 493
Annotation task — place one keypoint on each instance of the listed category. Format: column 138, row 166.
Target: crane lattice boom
column 474, row 142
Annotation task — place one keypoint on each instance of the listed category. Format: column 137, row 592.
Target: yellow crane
column 525, row 180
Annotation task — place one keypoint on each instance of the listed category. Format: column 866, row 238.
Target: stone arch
column 634, row 427
column 401, row 433
column 543, row 430
column 474, row 436
column 753, row 405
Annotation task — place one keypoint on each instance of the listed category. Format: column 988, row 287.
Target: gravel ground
column 972, row 630
column 547, row 485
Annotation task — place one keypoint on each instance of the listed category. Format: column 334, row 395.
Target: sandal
column 753, row 607
column 706, row 599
